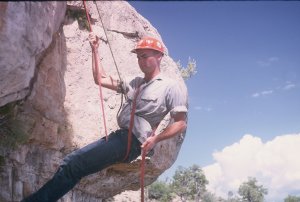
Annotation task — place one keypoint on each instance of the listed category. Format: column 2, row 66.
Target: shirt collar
column 156, row 78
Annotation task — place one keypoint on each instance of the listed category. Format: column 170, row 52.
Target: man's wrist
column 95, row 48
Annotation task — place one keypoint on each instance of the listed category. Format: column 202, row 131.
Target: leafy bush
column 189, row 183
column 160, row 191
column 189, row 70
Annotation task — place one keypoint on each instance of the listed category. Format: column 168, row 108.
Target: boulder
column 52, row 93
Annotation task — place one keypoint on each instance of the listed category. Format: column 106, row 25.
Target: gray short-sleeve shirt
column 157, row 97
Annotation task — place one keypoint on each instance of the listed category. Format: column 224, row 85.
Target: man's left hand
column 149, row 144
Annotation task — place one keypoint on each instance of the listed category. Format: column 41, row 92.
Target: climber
column 151, row 97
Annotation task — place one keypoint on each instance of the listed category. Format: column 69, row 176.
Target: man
column 155, row 96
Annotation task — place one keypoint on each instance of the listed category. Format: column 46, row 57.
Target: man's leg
column 90, row 159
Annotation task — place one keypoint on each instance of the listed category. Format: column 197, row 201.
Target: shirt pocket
column 149, row 99
column 151, row 104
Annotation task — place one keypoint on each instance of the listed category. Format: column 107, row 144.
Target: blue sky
column 248, row 79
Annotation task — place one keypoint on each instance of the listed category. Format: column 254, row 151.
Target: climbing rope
column 134, row 102
column 97, row 69
column 143, row 153
column 112, row 54
column 142, row 175
column 113, row 57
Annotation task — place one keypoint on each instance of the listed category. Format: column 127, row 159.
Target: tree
column 211, row 197
column 251, row 192
column 292, row 199
column 160, row 191
column 189, row 183
column 231, row 197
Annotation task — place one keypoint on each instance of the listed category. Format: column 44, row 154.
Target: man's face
column 148, row 60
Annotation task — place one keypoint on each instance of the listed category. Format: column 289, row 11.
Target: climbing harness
column 143, row 153
column 131, row 123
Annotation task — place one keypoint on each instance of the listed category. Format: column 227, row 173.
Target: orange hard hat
column 149, row 43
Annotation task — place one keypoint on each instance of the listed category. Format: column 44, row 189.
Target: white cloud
column 198, row 108
column 289, row 86
column 275, row 164
column 208, row 109
column 263, row 93
column 267, row 92
column 269, row 61
column 256, row 95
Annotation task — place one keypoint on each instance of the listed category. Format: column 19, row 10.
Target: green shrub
column 80, row 16
column 160, row 191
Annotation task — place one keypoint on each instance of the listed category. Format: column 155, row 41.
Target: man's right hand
column 94, row 40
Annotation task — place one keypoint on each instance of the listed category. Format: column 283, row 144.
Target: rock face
column 46, row 76
column 26, row 30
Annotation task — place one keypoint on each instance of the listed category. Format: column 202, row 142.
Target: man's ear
column 160, row 57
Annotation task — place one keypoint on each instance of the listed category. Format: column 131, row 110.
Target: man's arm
column 175, row 128
column 98, row 70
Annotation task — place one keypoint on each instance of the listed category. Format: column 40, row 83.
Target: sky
column 244, row 101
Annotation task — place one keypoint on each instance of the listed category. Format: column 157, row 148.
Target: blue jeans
column 88, row 160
